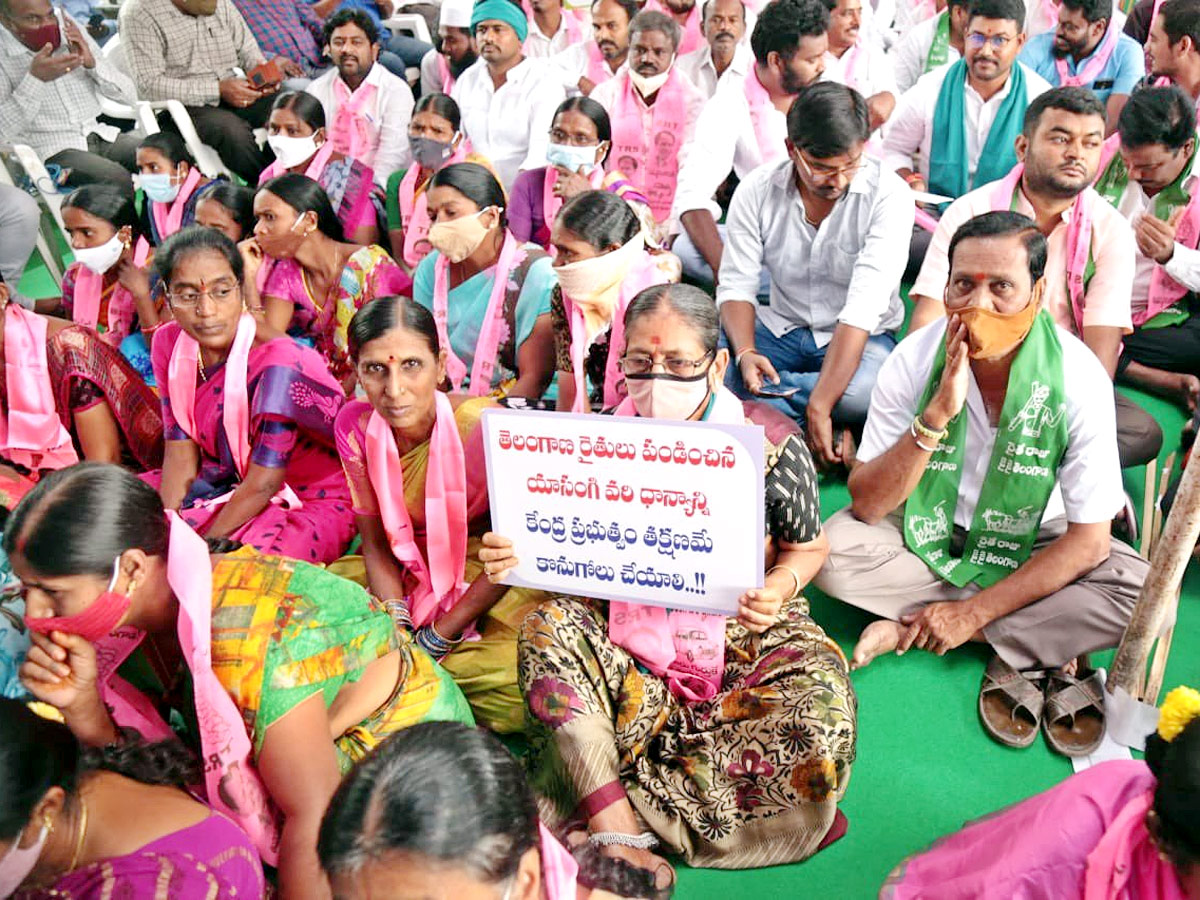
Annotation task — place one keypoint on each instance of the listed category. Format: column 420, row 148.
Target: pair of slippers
column 1014, row 706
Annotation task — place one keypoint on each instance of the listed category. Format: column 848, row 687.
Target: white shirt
column 607, row 94
column 910, row 13
column 698, row 67
column 573, row 62
column 1088, row 488
column 911, row 51
column 724, row 140
column 391, row 111
column 510, row 126
column 1112, row 253
column 910, row 129
column 541, row 46
column 845, row 271
column 1184, row 264
column 431, row 73
column 872, row 70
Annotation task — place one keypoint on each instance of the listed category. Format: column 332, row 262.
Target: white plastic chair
column 48, row 191
column 413, row 23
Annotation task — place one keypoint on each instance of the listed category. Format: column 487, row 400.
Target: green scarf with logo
column 939, row 50
column 1030, row 442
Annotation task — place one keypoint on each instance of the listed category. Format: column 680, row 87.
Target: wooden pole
column 1168, row 560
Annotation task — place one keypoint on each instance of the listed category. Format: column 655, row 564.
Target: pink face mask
column 97, row 621
column 667, row 396
column 17, row 863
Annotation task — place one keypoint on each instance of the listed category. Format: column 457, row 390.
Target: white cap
column 456, row 13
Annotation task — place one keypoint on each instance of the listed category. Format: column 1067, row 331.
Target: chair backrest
column 114, row 52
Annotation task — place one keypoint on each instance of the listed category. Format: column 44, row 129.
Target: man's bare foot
column 664, row 874
column 877, row 638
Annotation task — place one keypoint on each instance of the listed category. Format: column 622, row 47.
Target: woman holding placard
column 626, row 728
column 414, row 461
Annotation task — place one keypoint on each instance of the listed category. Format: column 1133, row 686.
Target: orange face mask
column 991, row 335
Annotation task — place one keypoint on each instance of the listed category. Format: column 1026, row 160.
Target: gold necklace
column 83, row 824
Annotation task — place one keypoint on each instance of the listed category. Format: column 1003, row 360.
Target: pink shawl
column 1099, row 60
column 440, row 573
column 414, row 208
column 1126, row 864
column 659, row 172
column 1079, row 236
column 121, row 308
column 355, row 132
column 182, row 372
column 559, row 868
column 168, row 221
column 686, row 648
column 32, row 434
column 598, row 71
column 444, row 73
column 552, row 204
column 488, row 346
column 233, row 786
column 758, row 101
column 317, row 165
column 642, row 274
column 570, row 21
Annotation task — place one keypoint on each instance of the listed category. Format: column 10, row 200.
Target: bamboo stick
column 1168, row 559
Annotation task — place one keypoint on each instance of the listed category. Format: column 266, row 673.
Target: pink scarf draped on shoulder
column 355, row 132
column 1079, row 236
column 414, row 208
column 447, row 78
column 598, row 71
column 643, row 273
column 569, row 20
column 560, row 871
column 31, row 433
column 487, row 348
column 1093, row 67
column 182, row 371
column 684, row 647
column 758, row 101
column 552, row 204
column 693, row 38
column 232, row 783
column 658, row 173
column 440, row 571
column 1126, row 863
column 121, row 307
column 168, row 220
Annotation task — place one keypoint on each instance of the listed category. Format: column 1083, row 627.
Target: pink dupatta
column 316, row 166
column 641, row 275
column 445, row 75
column 1079, row 236
column 169, row 220
column 684, row 647
column 659, row 173
column 758, row 101
column 488, row 345
column 31, row 434
column 1099, row 60
column 232, row 784
column 1126, row 864
column 560, row 871
column 414, row 208
column 440, row 572
column 354, row 132
column 121, row 308
column 598, row 71
column 182, row 372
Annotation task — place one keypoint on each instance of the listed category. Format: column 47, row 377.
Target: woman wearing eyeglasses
column 414, row 461
column 247, row 413
column 580, row 140
column 602, row 262
column 625, row 726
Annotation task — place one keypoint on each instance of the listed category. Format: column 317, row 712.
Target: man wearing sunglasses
column 824, row 223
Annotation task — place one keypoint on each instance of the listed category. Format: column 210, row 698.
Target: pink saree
column 293, row 401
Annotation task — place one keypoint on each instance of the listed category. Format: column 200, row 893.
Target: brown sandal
column 1010, row 703
column 1073, row 719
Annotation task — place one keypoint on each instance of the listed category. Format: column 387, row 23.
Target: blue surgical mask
column 158, row 187
column 573, row 158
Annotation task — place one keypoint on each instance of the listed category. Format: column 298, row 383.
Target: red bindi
column 655, row 340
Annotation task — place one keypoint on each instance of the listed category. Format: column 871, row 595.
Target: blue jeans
column 797, row 359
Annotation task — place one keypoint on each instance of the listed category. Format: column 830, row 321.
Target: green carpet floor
column 925, row 765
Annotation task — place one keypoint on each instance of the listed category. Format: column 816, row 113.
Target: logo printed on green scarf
column 927, row 529
column 1034, row 416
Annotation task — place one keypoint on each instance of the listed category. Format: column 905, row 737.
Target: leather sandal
column 1010, row 703
column 1073, row 719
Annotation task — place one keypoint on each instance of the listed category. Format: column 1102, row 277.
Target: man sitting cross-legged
column 982, row 500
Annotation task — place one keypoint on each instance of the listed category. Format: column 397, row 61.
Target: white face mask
column 291, row 151
column 17, row 863
column 648, row 86
column 101, row 259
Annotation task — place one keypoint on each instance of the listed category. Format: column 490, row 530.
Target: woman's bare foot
column 664, row 874
column 877, row 638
